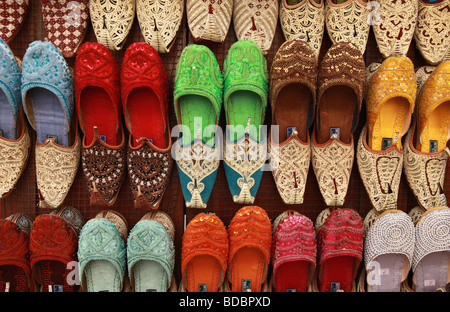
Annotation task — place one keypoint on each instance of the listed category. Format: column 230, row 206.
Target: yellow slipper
column 433, row 111
column 390, row 98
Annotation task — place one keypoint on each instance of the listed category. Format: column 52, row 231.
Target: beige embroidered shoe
column 395, row 27
column 160, row 21
column 292, row 92
column 432, row 33
column 390, row 98
column 426, row 152
column 112, row 21
column 14, row 156
column 304, row 20
column 209, row 20
column 340, row 94
column 256, row 21
column 346, row 21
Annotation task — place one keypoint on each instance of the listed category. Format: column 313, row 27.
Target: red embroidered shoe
column 97, row 97
column 15, row 271
column 13, row 15
column 145, row 87
column 53, row 244
column 294, row 252
column 66, row 22
column 340, row 246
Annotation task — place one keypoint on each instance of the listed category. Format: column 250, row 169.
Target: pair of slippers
column 107, row 251
column 214, row 259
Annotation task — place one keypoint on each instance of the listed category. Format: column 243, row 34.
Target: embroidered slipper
column 433, row 111
column 250, row 236
column 66, row 24
column 432, row 32
column 292, row 95
column 340, row 251
column 256, row 22
column 339, row 100
column 346, row 21
column 245, row 102
column 209, row 20
column 15, row 271
column 431, row 260
column 394, row 28
column 15, row 143
column 47, row 97
column 144, row 91
column 294, row 252
column 160, row 22
column 112, row 21
column 53, row 245
column 13, row 15
column 97, row 93
column 198, row 103
column 102, row 253
column 388, row 251
column 431, row 165
column 389, row 106
column 151, row 253
column 204, row 254
column 303, row 20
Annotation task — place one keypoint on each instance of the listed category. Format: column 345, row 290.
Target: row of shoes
column 56, row 100
column 60, row 252
column 341, row 252
column 394, row 23
column 302, row 93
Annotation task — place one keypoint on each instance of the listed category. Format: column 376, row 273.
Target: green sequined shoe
column 198, row 101
column 245, row 101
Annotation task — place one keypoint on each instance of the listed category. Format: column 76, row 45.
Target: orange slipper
column 204, row 254
column 250, row 235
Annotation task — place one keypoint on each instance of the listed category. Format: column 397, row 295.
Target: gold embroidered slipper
column 390, row 98
column 304, row 20
column 112, row 21
column 395, row 27
column 432, row 32
column 256, row 21
column 426, row 152
column 160, row 22
column 292, row 94
column 209, row 20
column 346, row 21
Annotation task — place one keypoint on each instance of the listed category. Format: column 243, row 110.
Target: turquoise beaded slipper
column 245, row 102
column 198, row 102
column 102, row 256
column 151, row 253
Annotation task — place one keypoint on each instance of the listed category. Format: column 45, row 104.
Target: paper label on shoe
column 246, row 285
column 335, row 133
column 202, row 288
column 58, row 288
column 53, row 137
column 290, row 131
column 427, row 283
column 335, row 286
column 386, row 143
column 103, row 138
column 433, row 146
column 291, row 290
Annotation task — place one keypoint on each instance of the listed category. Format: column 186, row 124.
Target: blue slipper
column 47, row 92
